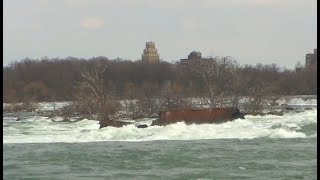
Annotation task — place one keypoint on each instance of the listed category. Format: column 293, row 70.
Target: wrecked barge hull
column 199, row 116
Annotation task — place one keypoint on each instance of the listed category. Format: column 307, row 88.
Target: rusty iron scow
column 191, row 116
column 198, row 116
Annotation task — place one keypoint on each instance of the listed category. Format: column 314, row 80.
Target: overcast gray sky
column 251, row 31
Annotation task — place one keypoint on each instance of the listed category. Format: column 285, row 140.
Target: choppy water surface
column 198, row 159
column 268, row 147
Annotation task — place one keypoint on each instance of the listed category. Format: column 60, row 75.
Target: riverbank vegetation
column 97, row 85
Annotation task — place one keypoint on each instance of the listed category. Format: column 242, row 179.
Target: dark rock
column 112, row 123
column 142, row 126
column 289, row 108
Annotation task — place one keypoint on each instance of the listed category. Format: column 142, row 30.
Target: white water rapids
column 42, row 130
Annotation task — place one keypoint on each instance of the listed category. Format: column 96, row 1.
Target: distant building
column 311, row 59
column 194, row 56
column 150, row 53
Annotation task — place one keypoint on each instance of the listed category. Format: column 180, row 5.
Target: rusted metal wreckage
column 193, row 116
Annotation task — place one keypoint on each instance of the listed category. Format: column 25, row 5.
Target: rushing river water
column 268, row 147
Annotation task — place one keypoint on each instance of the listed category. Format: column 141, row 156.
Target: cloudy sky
column 251, row 31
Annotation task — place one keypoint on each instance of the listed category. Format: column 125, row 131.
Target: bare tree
column 217, row 74
column 256, row 100
column 273, row 101
column 171, row 101
column 92, row 95
column 92, row 80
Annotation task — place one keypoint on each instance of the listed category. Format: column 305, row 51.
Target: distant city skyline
column 250, row 31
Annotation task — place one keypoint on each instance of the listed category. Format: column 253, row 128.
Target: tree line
column 61, row 79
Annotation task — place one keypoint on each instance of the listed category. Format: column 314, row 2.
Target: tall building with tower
column 150, row 53
column 311, row 59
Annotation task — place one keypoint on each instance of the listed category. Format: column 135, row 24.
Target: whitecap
column 42, row 130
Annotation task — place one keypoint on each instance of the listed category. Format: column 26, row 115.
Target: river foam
column 42, row 130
